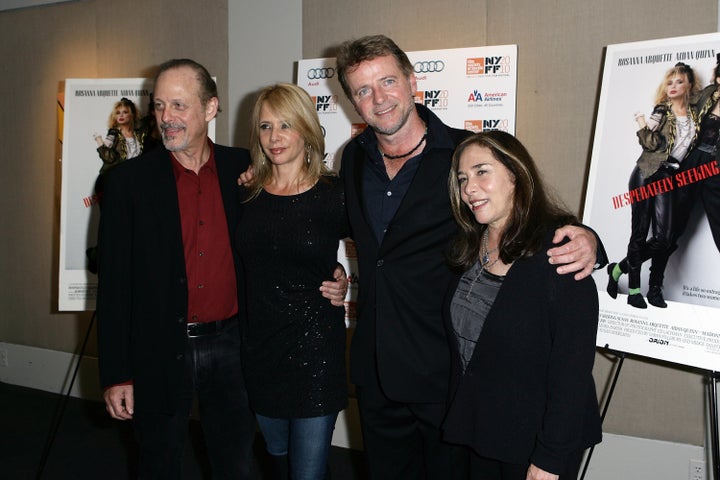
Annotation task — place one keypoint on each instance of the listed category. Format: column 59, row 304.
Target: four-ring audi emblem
column 315, row 73
column 429, row 66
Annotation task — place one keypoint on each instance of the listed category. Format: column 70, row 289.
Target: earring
column 262, row 158
column 308, row 149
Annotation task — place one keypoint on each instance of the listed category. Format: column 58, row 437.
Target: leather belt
column 201, row 329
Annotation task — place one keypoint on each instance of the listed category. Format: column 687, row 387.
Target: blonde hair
column 680, row 69
column 127, row 103
column 295, row 106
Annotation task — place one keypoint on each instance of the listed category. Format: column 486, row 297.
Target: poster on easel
column 470, row 88
column 634, row 197
column 102, row 121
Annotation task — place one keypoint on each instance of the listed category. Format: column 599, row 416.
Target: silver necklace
column 485, row 262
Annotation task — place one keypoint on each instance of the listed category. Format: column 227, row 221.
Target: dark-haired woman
column 522, row 394
column 703, row 158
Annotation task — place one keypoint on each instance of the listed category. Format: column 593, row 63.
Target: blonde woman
column 294, row 343
column 666, row 138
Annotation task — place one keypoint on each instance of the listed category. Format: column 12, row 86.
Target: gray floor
column 89, row 445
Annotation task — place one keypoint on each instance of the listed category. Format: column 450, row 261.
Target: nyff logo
column 432, row 98
column 325, row 103
column 478, row 126
column 487, row 65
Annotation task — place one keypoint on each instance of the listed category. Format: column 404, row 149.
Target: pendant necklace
column 485, row 262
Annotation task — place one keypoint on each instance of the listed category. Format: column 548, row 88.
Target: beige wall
column 560, row 56
column 560, row 51
column 41, row 47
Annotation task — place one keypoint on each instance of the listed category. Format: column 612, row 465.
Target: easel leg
column 712, row 395
column 60, row 410
column 616, row 375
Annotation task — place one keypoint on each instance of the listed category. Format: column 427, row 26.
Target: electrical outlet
column 3, row 358
column 697, row 470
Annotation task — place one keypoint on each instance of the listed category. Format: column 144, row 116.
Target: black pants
column 403, row 440
column 655, row 212
column 214, row 374
column 482, row 468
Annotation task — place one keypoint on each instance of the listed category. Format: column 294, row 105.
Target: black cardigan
column 528, row 394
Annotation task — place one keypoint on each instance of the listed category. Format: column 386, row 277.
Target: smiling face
column 181, row 116
column 382, row 94
column 486, row 186
column 281, row 143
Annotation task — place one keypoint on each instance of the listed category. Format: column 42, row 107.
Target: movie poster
column 92, row 122
column 470, row 88
column 687, row 331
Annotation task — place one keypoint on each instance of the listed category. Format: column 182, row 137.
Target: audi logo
column 431, row 66
column 315, row 73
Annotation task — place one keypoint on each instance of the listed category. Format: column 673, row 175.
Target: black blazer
column 403, row 280
column 142, row 285
column 528, row 394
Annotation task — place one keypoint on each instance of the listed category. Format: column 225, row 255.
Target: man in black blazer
column 395, row 175
column 169, row 289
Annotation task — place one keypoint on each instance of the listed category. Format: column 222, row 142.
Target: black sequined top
column 294, row 342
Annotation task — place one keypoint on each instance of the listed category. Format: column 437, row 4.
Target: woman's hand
column 535, row 473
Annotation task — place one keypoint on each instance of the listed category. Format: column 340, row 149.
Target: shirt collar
column 178, row 169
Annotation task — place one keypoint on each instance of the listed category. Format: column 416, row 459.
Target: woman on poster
column 123, row 139
column 522, row 395
column 288, row 237
column 665, row 138
column 702, row 159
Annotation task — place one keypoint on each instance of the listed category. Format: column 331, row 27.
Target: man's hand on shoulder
column 576, row 256
column 246, row 176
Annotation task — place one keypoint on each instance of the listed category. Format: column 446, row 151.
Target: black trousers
column 404, row 441
column 482, row 468
column 655, row 212
column 214, row 375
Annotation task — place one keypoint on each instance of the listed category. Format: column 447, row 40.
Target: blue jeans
column 306, row 441
column 214, row 375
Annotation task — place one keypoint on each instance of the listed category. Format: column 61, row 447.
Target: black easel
column 712, row 378
column 713, row 405
column 618, row 366
column 62, row 403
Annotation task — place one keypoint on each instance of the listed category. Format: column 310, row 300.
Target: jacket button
column 380, row 263
column 181, row 319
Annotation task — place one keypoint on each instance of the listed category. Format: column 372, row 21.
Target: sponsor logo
column 329, row 160
column 325, row 103
column 486, row 125
column 659, row 341
column 429, row 66
column 350, row 249
column 432, row 98
column 322, row 72
column 487, row 66
column 477, row 96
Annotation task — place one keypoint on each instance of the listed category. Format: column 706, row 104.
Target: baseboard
column 618, row 457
